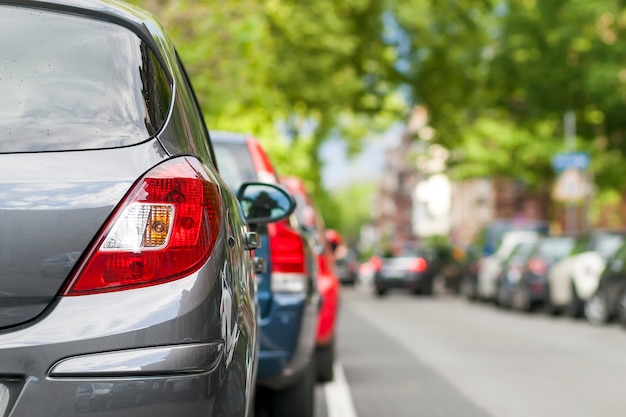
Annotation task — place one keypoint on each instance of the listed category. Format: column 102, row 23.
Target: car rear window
column 70, row 83
column 234, row 163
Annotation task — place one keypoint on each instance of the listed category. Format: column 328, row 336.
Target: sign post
column 572, row 185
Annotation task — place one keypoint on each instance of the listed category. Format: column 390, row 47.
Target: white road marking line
column 338, row 397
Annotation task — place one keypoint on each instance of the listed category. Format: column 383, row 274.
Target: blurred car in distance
column 346, row 261
column 491, row 235
column 410, row 267
column 490, row 267
column 608, row 301
column 126, row 259
column 311, row 223
column 367, row 271
column 531, row 290
column 512, row 271
column 454, row 263
column 287, row 289
column 468, row 285
column 574, row 279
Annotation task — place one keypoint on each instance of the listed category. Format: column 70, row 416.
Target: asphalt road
column 422, row 356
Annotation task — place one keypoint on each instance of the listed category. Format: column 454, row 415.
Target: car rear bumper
column 153, row 347
column 413, row 281
column 287, row 339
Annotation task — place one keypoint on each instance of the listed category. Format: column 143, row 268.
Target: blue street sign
column 569, row 160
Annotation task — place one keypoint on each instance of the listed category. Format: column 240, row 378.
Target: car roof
column 229, row 137
column 140, row 21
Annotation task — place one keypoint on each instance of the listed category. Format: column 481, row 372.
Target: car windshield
column 521, row 252
column 69, row 82
column 553, row 249
column 234, row 163
column 408, row 252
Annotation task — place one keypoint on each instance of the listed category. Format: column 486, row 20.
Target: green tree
column 292, row 73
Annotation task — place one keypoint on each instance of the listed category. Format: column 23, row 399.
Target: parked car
column 574, row 279
column 287, row 290
column 512, row 270
column 346, row 260
column 456, row 263
column 410, row 267
column 104, row 153
column 608, row 301
column 490, row 267
column 311, row 223
column 491, row 235
column 531, row 290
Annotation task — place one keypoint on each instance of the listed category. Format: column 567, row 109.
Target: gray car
column 126, row 280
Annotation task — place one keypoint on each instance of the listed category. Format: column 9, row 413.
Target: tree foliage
column 292, row 73
column 496, row 76
column 500, row 75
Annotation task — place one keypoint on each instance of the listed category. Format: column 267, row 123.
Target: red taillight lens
column 164, row 229
column 537, row 266
column 376, row 263
column 287, row 259
column 286, row 248
column 418, row 265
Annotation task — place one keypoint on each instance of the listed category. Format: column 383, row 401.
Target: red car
column 328, row 283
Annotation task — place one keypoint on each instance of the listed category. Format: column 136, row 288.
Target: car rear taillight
column 164, row 229
column 537, row 266
column 418, row 265
column 287, row 258
column 376, row 263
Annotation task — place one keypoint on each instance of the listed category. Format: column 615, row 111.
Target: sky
column 340, row 171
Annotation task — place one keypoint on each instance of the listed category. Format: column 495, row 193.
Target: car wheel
column 380, row 292
column 324, row 359
column 297, row 399
column 597, row 309
column 576, row 305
